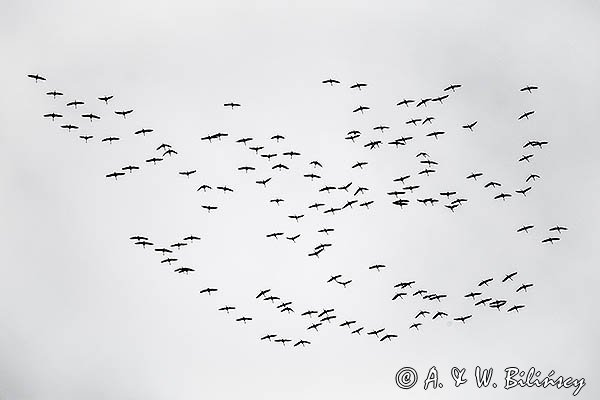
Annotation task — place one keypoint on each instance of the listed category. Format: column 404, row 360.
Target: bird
column 309, row 313
column 528, row 88
column 263, row 182
column 191, row 238
column 347, row 323
column 358, row 86
column 523, row 191
column 551, row 240
column 532, row 177
column 163, row 251
column 558, row 229
column 447, row 194
column 470, row 126
column 227, row 309
column 452, row 87
column 54, row 93
column 53, row 115
column 225, row 189
column 291, row 153
column 315, row 326
column 361, row 109
column 143, row 131
column 376, row 332
column 526, row 115
column 184, row 270
column 423, row 102
column 440, row 98
column 36, row 77
column 381, row 128
column 75, row 103
column 525, row 228
column 110, row 139
column 405, row 102
column 485, row 282
column 503, row 196
column 474, row 175
column 483, row 301
column 86, row 137
column 331, row 81
column 154, row 160
column 263, row 293
column 357, row 331
column 463, row 319
column 124, row 113
column 69, row 127
column 399, row 295
column 524, row 287
column 509, row 276
column 415, row 326
column 90, row 116
column 130, row 168
column 208, row 290
column 115, row 175
column 389, row 337
column 105, row 99
column 525, row 157
column 232, row 105
column 440, row 314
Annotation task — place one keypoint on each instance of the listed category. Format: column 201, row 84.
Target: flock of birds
column 430, row 305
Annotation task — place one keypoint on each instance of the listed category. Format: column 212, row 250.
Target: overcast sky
column 85, row 313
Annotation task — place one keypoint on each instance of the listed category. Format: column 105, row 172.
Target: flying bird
column 452, row 87
column 528, row 88
column 105, row 99
column 526, row 115
column 331, row 81
column 54, row 93
column 53, row 115
column 361, row 109
column 124, row 113
column 358, row 86
column 470, row 126
column 36, row 77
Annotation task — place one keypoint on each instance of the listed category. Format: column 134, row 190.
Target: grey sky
column 85, row 313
